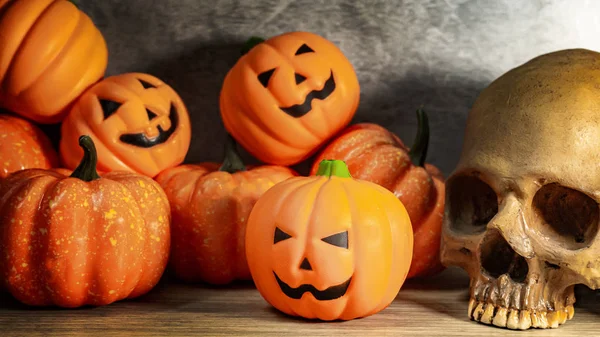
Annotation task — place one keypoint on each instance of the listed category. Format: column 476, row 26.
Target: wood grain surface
column 436, row 307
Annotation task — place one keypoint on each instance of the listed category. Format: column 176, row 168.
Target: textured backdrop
column 406, row 53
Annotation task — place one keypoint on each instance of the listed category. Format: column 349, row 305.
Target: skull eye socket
column 471, row 204
column 567, row 216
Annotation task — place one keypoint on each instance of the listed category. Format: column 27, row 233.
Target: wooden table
column 433, row 308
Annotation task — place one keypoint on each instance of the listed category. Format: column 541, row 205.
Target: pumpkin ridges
column 357, row 209
column 61, row 251
column 158, row 238
column 24, row 73
column 10, row 186
column 15, row 28
column 253, row 128
column 40, row 246
column 417, row 192
column 68, row 61
column 223, row 197
column 429, row 233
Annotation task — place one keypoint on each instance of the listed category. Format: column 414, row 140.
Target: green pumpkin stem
column 418, row 152
column 232, row 162
column 333, row 168
column 86, row 170
column 253, row 41
column 75, row 2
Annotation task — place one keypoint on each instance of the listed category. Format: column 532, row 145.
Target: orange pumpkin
column 81, row 239
column 22, row 146
column 210, row 204
column 377, row 155
column 50, row 53
column 138, row 123
column 287, row 96
column 329, row 246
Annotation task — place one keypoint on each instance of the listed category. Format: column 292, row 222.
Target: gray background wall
column 406, row 53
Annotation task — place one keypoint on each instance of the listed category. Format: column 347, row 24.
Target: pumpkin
column 210, row 204
column 82, row 239
column 138, row 123
column 23, row 145
column 287, row 96
column 377, row 155
column 329, row 246
column 50, row 53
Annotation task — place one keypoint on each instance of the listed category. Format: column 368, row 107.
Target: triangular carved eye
column 151, row 115
column 265, row 76
column 299, row 78
column 280, row 235
column 304, row 49
column 145, row 84
column 109, row 107
column 338, row 240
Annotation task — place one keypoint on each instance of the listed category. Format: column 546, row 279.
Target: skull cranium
column 522, row 206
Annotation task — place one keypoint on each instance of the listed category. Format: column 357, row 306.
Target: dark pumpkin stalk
column 418, row 152
column 86, row 170
column 232, row 162
column 75, row 2
column 333, row 168
column 251, row 43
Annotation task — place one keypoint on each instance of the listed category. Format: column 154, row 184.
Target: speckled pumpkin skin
column 67, row 242
column 22, row 146
column 210, row 211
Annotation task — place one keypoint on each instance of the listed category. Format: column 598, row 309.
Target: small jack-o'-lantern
column 287, row 96
column 138, row 124
column 329, row 246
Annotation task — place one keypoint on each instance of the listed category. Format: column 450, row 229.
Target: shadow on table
column 446, row 293
column 169, row 294
column 587, row 299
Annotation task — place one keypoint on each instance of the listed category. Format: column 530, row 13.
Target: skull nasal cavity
column 498, row 258
column 305, row 265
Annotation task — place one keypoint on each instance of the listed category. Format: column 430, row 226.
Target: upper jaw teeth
column 489, row 313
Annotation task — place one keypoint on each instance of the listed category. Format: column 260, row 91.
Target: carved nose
column 305, row 265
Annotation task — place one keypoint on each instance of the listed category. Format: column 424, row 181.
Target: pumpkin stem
column 232, row 162
column 253, row 41
column 75, row 2
column 86, row 170
column 418, row 152
column 336, row 168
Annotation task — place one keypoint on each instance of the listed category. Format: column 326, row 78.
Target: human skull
column 522, row 212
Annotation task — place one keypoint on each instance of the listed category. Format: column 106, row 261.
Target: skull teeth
column 492, row 314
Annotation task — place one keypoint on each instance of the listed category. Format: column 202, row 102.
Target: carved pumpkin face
column 138, row 123
column 329, row 246
column 288, row 95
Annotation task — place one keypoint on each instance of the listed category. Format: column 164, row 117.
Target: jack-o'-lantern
column 50, row 53
column 376, row 154
column 329, row 246
column 288, row 95
column 137, row 122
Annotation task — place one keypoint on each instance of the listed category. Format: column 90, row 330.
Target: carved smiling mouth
column 141, row 140
column 300, row 110
column 330, row 293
